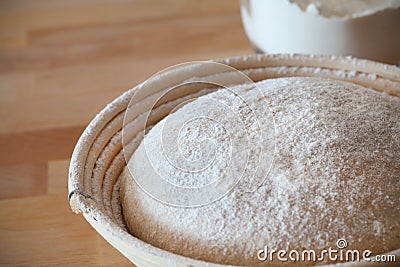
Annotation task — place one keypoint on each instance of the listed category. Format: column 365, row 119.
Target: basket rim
column 81, row 202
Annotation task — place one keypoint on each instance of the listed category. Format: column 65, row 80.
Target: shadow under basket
column 99, row 156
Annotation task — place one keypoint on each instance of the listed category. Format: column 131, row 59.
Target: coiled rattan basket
column 98, row 158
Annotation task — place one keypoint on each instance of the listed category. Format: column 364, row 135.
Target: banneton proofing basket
column 98, row 158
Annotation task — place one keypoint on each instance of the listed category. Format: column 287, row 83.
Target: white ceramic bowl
column 279, row 26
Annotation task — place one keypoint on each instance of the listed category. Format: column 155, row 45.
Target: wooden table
column 60, row 63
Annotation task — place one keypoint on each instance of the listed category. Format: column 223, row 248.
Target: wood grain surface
column 61, row 61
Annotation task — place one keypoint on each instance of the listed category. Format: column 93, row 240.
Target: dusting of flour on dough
column 335, row 175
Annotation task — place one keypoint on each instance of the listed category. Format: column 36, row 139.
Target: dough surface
column 332, row 172
column 345, row 9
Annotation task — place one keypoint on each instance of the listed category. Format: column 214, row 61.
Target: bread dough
column 335, row 173
column 345, row 9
